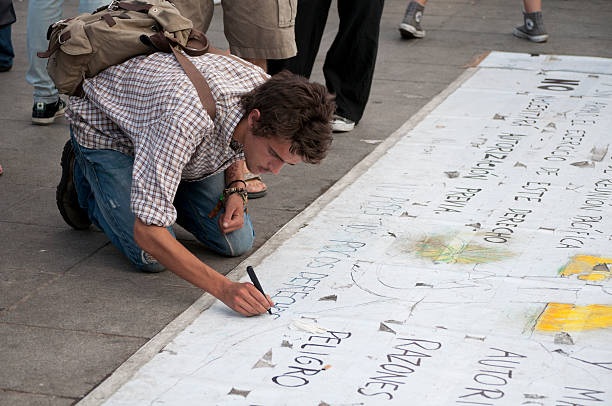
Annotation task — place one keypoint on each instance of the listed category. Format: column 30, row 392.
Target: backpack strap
column 65, row 36
column 196, row 77
column 135, row 6
column 198, row 46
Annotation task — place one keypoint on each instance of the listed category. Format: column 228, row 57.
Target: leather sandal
column 254, row 184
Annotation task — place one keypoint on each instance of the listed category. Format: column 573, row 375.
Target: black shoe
column 5, row 68
column 46, row 113
column 66, row 194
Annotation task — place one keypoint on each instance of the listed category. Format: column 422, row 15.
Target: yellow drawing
column 588, row 268
column 569, row 317
column 454, row 249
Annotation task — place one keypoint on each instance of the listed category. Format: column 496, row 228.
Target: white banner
column 470, row 265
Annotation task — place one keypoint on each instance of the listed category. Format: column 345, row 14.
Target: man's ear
column 254, row 116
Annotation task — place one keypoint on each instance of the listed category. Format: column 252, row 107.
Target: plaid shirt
column 147, row 107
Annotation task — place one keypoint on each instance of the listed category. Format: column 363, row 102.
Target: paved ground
column 72, row 309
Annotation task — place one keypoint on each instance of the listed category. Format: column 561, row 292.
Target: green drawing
column 454, row 249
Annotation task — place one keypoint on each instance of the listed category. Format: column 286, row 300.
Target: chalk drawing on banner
column 587, row 268
column 449, row 248
column 413, row 284
column 569, row 317
column 457, row 248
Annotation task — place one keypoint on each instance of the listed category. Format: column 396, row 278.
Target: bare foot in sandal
column 256, row 188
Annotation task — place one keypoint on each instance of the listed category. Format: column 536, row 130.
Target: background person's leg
column 532, row 5
column 88, row 6
column 193, row 202
column 200, row 12
column 350, row 61
column 6, row 49
column 533, row 28
column 41, row 14
column 310, row 23
column 261, row 30
column 103, row 179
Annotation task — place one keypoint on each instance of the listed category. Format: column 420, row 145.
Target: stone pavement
column 72, row 309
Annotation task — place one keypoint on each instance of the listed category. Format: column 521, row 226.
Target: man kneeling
column 144, row 154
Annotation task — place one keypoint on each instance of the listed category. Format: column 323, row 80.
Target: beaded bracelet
column 226, row 193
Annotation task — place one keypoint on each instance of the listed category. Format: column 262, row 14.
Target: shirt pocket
column 287, row 9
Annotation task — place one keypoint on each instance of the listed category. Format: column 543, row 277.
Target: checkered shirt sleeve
column 147, row 107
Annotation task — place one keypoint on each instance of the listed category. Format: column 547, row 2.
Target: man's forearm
column 158, row 242
column 234, row 172
column 241, row 297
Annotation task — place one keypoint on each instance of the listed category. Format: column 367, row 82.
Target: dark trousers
column 6, row 47
column 349, row 63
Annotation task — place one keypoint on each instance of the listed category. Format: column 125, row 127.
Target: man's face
column 266, row 155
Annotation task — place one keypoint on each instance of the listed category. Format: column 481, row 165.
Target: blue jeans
column 41, row 14
column 6, row 47
column 103, row 179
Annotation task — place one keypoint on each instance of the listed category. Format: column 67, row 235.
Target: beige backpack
column 83, row 46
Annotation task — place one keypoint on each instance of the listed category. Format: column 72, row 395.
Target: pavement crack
column 39, row 394
column 74, row 330
column 25, row 223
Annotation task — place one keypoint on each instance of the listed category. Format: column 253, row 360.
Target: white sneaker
column 341, row 124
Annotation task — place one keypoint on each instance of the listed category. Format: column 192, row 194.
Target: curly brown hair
column 293, row 108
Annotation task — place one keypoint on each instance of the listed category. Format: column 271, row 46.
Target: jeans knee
column 237, row 242
column 146, row 263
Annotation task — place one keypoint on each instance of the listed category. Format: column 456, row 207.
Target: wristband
column 226, row 193
column 234, row 181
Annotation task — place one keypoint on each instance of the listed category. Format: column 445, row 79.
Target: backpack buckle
column 114, row 5
column 63, row 37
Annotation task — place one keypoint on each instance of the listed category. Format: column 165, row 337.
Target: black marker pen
column 255, row 281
